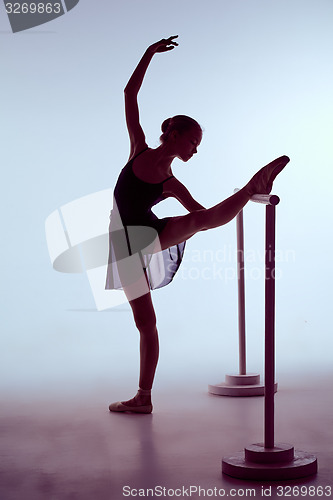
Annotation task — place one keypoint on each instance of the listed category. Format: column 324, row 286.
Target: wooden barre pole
column 241, row 293
column 266, row 199
column 269, row 460
column 269, row 325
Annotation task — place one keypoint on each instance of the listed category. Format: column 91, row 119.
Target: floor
column 63, row 448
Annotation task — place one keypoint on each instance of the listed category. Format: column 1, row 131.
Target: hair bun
column 165, row 125
column 179, row 123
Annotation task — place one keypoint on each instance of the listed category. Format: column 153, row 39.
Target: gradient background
column 257, row 74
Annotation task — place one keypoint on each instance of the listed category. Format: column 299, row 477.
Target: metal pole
column 269, row 325
column 241, row 293
column 264, row 461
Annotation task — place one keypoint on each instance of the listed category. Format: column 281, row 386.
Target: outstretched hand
column 163, row 45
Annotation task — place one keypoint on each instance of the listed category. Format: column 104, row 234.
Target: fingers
column 170, row 41
column 164, row 45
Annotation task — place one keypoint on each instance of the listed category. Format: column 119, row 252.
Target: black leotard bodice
column 135, row 197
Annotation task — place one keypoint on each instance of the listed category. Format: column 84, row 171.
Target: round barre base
column 270, row 464
column 239, row 385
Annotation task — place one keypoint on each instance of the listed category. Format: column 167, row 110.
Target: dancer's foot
column 262, row 181
column 138, row 404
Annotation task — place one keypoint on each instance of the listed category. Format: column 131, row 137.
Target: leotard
column 133, row 226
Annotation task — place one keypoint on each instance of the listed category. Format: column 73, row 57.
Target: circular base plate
column 238, row 390
column 281, row 452
column 240, row 385
column 302, row 465
column 247, row 379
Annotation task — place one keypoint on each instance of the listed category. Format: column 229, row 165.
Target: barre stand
column 269, row 460
column 243, row 384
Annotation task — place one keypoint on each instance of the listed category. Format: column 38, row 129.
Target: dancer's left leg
column 145, row 320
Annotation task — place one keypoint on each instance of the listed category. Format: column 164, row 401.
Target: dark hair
column 181, row 123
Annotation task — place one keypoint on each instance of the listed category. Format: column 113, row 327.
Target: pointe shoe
column 262, row 181
column 120, row 407
column 275, row 167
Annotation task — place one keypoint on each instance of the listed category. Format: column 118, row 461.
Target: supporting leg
column 145, row 320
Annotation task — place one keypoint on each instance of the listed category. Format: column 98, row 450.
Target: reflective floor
column 57, row 448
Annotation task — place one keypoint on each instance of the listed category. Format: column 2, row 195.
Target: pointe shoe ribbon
column 120, row 407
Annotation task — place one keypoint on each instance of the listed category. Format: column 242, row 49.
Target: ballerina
column 145, row 180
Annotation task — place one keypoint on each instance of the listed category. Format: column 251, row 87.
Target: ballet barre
column 267, row 460
column 243, row 383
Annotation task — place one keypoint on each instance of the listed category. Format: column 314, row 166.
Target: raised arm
column 136, row 134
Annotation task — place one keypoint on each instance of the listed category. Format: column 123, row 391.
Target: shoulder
column 137, row 148
column 173, row 187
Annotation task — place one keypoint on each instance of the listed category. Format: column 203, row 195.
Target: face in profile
column 187, row 143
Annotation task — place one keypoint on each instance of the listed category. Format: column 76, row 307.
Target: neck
column 163, row 158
